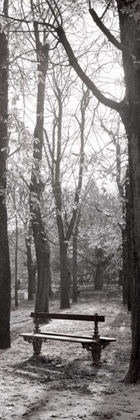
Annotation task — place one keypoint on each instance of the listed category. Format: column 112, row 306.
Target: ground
column 63, row 383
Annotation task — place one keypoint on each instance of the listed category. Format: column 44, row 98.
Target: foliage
column 100, row 229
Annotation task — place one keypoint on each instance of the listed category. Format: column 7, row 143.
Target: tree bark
column 128, row 257
column 36, row 185
column 125, row 266
column 99, row 277
column 75, row 291
column 30, row 266
column 75, row 244
column 129, row 250
column 125, row 261
column 5, row 275
column 64, row 275
column 130, row 34
column 16, row 263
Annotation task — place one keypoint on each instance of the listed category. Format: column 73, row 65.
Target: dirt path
column 63, row 383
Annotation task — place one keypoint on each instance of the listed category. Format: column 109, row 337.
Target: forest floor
column 63, row 383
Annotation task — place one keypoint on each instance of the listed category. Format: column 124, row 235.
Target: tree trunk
column 130, row 35
column 129, row 231
column 16, row 264
column 36, row 185
column 63, row 247
column 126, row 243
column 125, row 266
column 75, row 244
column 74, row 292
column 43, row 265
column 64, row 276
column 5, row 276
column 99, row 277
column 34, row 276
column 50, row 287
column 120, row 278
column 30, row 268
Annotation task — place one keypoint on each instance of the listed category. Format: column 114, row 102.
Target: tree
column 5, row 276
column 74, row 260
column 30, row 263
column 36, row 185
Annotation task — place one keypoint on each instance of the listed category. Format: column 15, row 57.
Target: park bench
column 94, row 343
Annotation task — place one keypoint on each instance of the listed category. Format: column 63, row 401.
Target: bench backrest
column 75, row 317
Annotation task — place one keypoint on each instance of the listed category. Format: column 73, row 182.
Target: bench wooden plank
column 66, row 337
column 108, row 339
column 75, row 317
column 57, row 337
column 89, row 337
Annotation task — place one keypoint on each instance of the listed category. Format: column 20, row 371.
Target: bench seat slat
column 66, row 335
column 75, row 317
column 57, row 337
column 74, row 339
column 89, row 337
column 108, row 339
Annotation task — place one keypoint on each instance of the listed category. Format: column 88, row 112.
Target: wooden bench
column 94, row 343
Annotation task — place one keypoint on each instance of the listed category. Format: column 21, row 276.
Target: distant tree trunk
column 99, row 270
column 5, row 276
column 43, row 263
column 75, row 291
column 64, row 275
column 16, row 263
column 68, row 277
column 36, row 186
column 50, row 287
column 75, row 242
column 99, row 277
column 63, row 247
column 30, row 266
column 34, row 276
column 120, row 278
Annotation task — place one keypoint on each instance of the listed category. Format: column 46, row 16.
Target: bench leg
column 37, row 344
column 96, row 353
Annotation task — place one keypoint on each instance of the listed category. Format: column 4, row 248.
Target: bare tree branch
column 87, row 81
column 107, row 7
column 108, row 34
